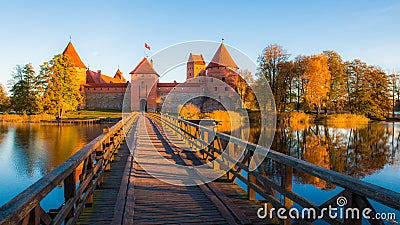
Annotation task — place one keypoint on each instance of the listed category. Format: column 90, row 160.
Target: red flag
column 147, row 46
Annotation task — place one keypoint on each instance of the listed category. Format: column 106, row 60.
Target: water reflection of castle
column 146, row 92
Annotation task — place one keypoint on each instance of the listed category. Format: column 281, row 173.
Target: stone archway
column 143, row 105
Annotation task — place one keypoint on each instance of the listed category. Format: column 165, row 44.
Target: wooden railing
column 211, row 145
column 93, row 159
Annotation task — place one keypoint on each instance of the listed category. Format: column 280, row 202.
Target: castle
column 146, row 93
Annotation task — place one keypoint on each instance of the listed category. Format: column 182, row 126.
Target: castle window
column 142, row 84
column 223, row 79
column 101, row 89
column 211, row 80
column 226, row 88
column 94, row 89
column 216, row 89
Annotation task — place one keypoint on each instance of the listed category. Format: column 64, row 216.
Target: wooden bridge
column 104, row 183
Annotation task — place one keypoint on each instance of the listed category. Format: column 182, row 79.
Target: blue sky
column 111, row 33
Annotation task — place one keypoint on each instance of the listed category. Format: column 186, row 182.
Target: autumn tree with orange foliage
column 189, row 111
column 316, row 82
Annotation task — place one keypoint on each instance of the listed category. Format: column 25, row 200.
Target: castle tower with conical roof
column 222, row 65
column 144, row 80
column 79, row 65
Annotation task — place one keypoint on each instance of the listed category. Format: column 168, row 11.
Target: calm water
column 30, row 151
column 370, row 152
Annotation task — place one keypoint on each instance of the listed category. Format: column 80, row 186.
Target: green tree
column 338, row 90
column 300, row 63
column 4, row 99
column 394, row 89
column 60, row 91
column 24, row 95
column 369, row 92
column 285, row 92
column 269, row 68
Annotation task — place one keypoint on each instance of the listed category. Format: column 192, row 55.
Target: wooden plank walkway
column 139, row 198
column 109, row 199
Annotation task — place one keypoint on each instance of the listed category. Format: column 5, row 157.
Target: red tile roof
column 198, row 59
column 93, row 77
column 222, row 58
column 144, row 67
column 118, row 75
column 71, row 52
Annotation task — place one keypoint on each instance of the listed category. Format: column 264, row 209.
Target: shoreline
column 83, row 116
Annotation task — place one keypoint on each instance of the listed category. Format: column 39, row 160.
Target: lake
column 28, row 151
column 369, row 152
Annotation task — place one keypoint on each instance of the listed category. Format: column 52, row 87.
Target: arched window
column 142, row 84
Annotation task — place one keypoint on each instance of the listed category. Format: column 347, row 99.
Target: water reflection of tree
column 368, row 151
column 357, row 151
column 41, row 148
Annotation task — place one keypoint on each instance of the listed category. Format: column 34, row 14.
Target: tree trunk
column 60, row 113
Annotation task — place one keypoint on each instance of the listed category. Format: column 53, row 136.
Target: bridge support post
column 287, row 185
column 216, row 165
column 107, row 150
column 231, row 153
column 69, row 193
column 250, row 192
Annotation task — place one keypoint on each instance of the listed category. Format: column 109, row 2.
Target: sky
column 111, row 34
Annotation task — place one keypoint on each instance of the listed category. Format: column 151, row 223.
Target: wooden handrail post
column 34, row 216
column 250, row 192
column 231, row 151
column 90, row 167
column 287, row 184
column 70, row 192
column 214, row 145
column 107, row 150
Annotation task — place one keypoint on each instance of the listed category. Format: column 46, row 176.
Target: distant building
column 146, row 92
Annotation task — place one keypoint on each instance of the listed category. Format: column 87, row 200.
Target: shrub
column 347, row 118
column 189, row 111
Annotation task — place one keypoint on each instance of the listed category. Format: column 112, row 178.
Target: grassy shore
column 297, row 118
column 93, row 114
column 81, row 114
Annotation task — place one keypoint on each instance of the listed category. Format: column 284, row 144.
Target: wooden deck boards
column 106, row 197
column 151, row 201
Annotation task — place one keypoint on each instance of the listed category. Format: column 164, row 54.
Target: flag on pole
column 147, row 46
